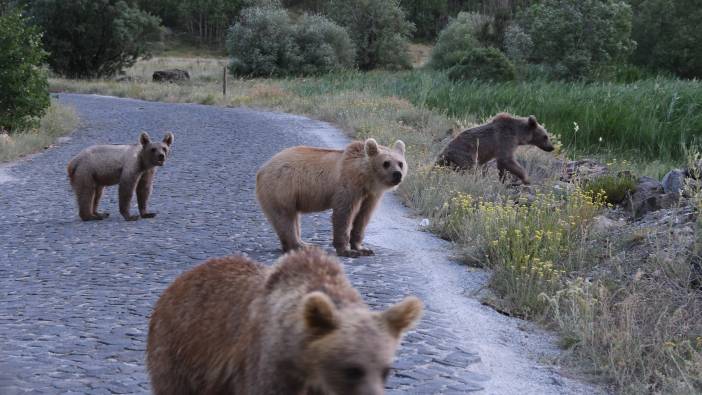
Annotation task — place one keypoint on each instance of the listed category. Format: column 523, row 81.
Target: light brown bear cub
column 499, row 139
column 233, row 326
column 133, row 167
column 350, row 182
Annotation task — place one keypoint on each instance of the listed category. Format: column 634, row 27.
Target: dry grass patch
column 58, row 121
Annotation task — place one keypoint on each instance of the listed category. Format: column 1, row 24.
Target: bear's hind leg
column 96, row 202
column 287, row 226
column 86, row 198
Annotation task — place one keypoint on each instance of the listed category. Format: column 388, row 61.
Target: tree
column 378, row 29
column 575, row 36
column 93, row 38
column 428, row 16
column 668, row 35
column 24, row 95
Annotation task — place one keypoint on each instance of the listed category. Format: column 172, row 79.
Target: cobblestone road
column 75, row 297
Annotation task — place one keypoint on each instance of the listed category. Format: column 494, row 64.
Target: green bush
column 575, row 36
column 378, row 29
column 616, row 188
column 24, row 92
column 265, row 42
column 324, row 45
column 487, row 64
column 93, row 38
column 459, row 37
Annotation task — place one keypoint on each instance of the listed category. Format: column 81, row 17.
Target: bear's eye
column 386, row 373
column 353, row 373
column 400, row 164
column 386, row 164
column 153, row 149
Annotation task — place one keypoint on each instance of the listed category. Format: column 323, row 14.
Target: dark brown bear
column 498, row 138
column 233, row 326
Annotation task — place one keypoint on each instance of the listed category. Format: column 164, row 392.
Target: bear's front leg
column 126, row 190
column 344, row 209
column 360, row 222
column 143, row 191
column 513, row 167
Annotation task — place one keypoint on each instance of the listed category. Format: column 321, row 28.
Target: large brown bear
column 350, row 182
column 233, row 326
column 132, row 166
column 498, row 138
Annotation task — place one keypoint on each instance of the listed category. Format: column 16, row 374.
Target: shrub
column 324, row 45
column 24, row 95
column 262, row 43
column 528, row 247
column 459, row 37
column 379, row 31
column 483, row 64
column 265, row 42
column 95, row 38
column 616, row 188
column 574, row 36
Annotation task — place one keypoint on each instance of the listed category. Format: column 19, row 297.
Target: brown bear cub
column 499, row 139
column 131, row 166
column 234, row 326
column 350, row 182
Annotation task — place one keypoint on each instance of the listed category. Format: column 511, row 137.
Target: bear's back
column 202, row 320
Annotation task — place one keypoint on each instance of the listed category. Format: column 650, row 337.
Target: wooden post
column 224, row 81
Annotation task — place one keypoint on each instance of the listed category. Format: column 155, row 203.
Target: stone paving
column 75, row 297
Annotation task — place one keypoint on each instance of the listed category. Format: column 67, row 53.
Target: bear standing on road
column 499, row 139
column 131, row 166
column 350, row 181
column 234, row 326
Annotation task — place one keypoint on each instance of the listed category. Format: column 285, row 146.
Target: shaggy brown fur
column 499, row 139
column 233, row 326
column 351, row 182
column 130, row 166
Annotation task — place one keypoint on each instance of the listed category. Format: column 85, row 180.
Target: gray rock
column 649, row 196
column 171, row 75
column 674, row 181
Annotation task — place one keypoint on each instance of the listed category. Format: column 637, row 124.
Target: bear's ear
column 319, row 314
column 532, row 122
column 399, row 147
column 402, row 316
column 371, row 147
column 168, row 139
column 144, row 138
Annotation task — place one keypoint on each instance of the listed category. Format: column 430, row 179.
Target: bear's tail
column 71, row 169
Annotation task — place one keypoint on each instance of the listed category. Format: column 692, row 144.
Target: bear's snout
column 161, row 158
column 547, row 148
column 396, row 177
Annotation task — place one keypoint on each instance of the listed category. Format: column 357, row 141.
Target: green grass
column 652, row 120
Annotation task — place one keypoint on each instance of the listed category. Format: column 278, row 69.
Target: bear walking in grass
column 498, row 138
column 133, row 167
column 350, row 182
column 233, row 326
